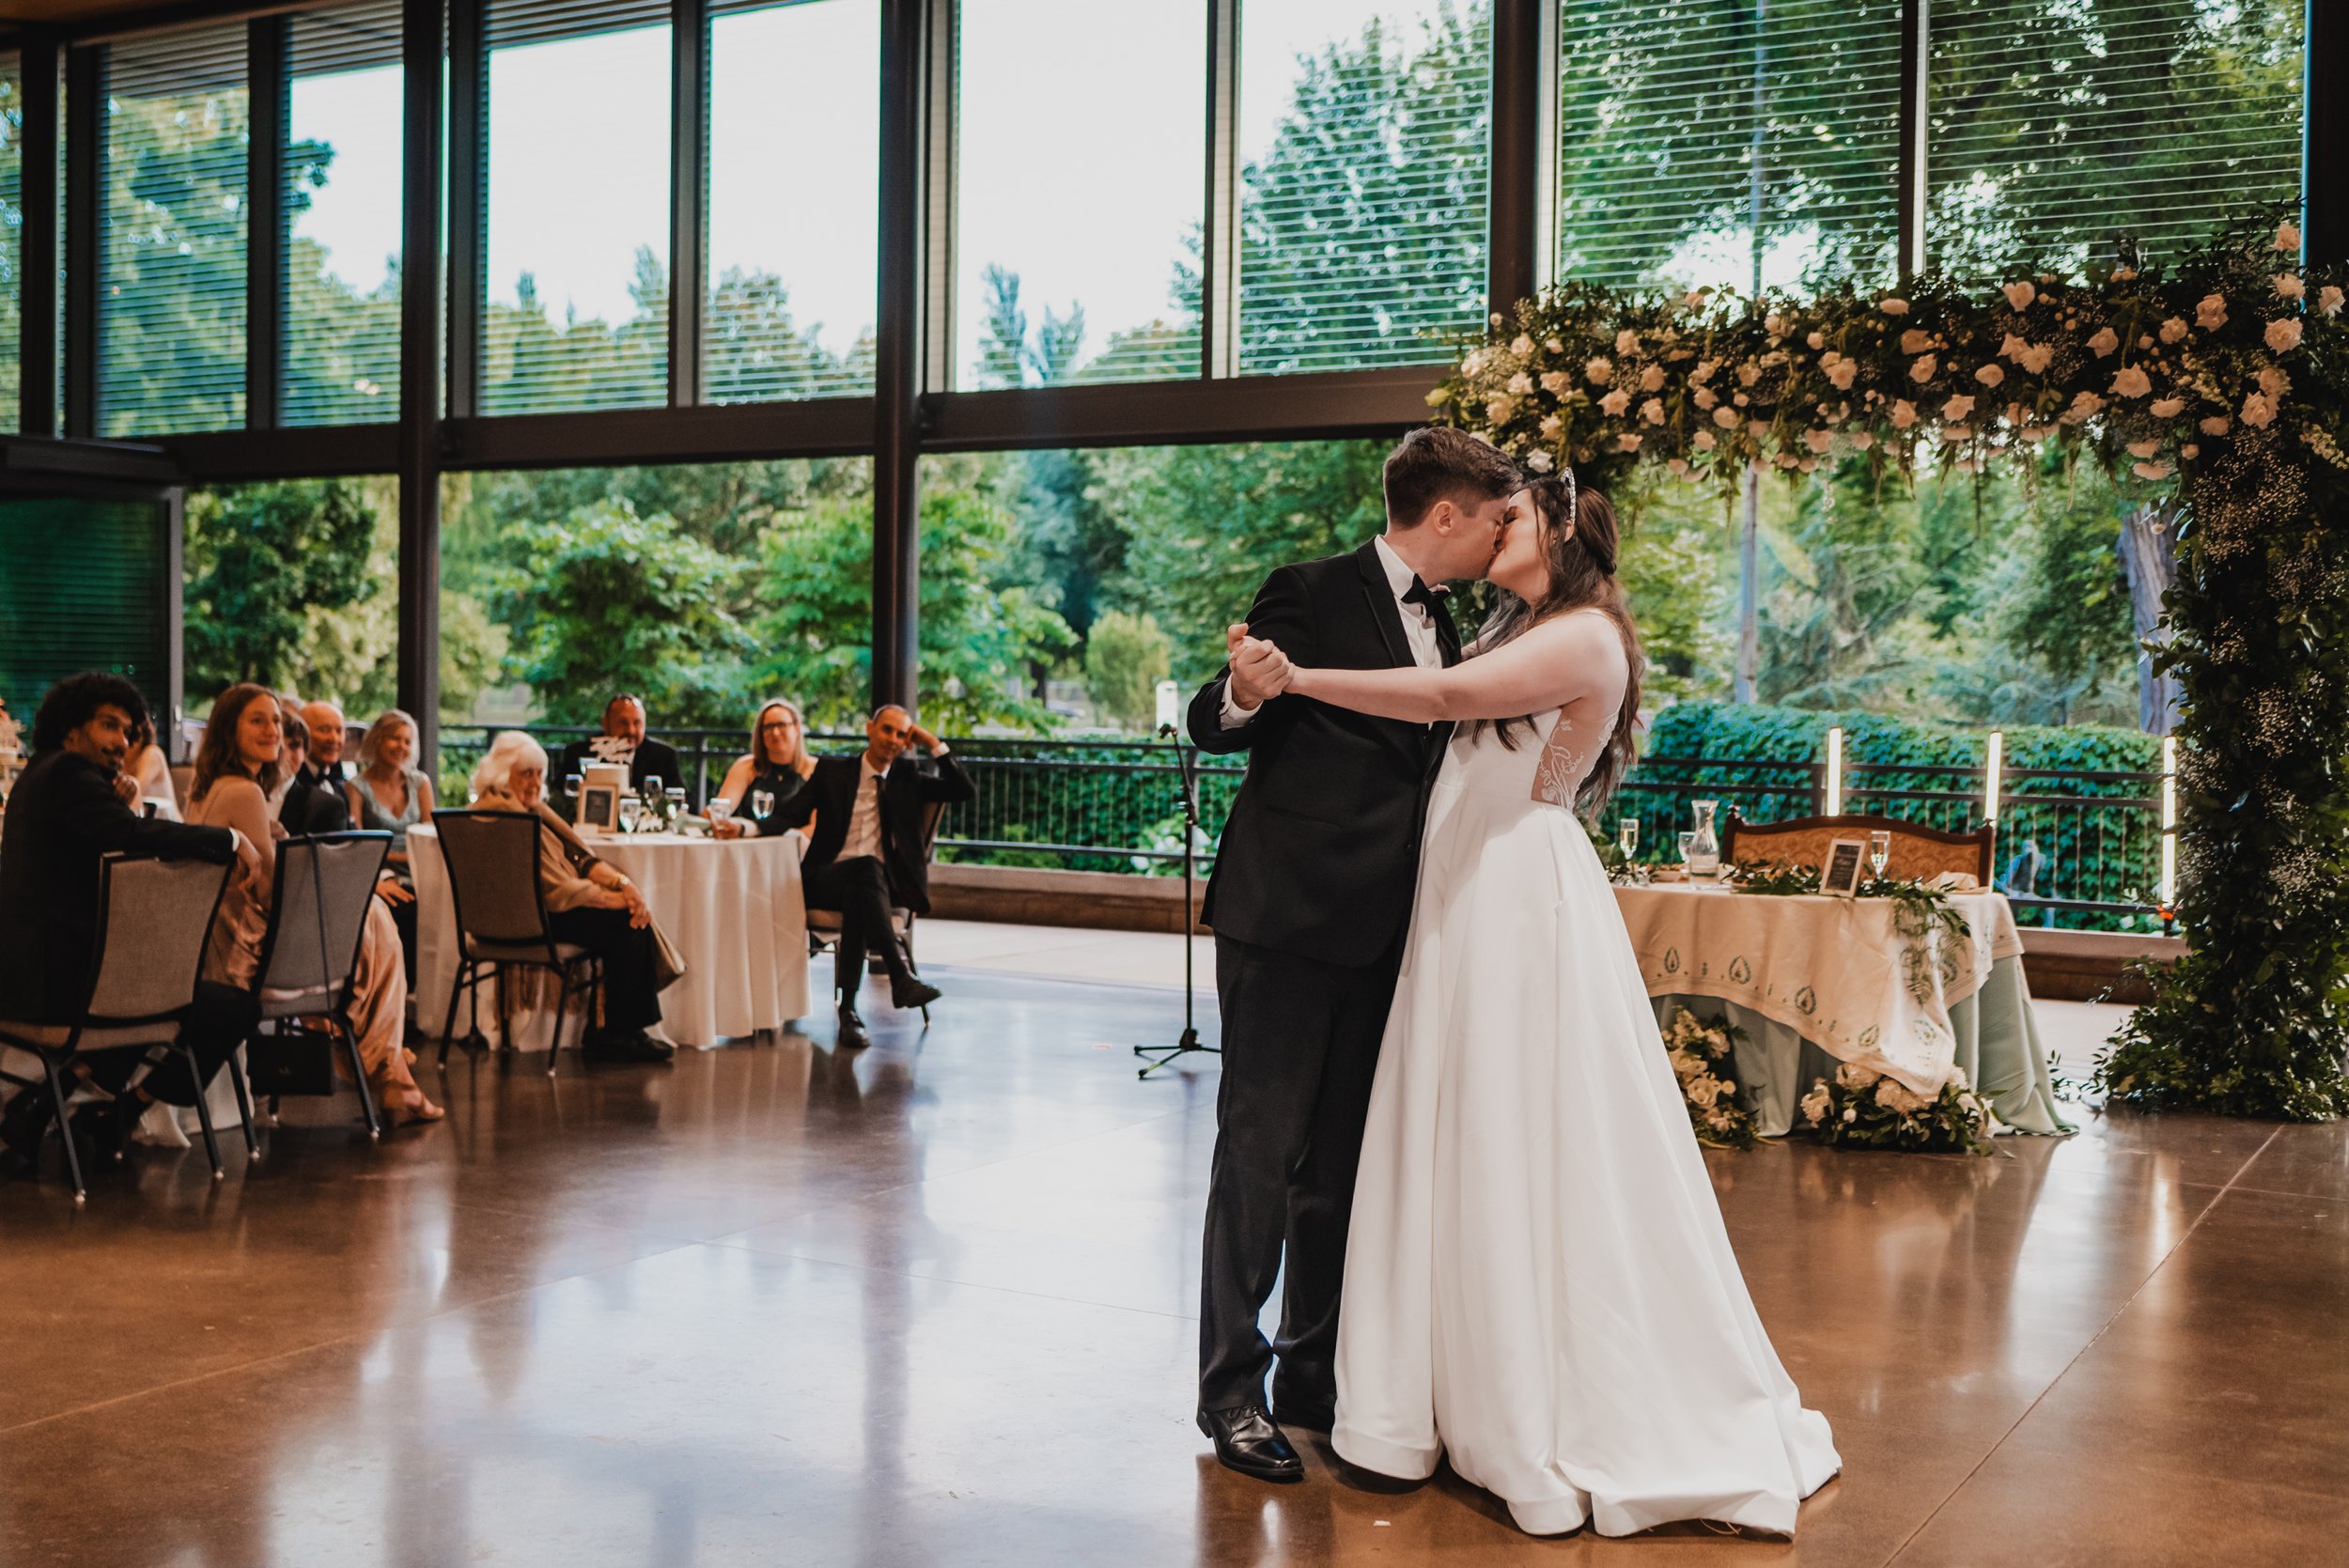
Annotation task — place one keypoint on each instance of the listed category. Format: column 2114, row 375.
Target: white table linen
column 732, row 909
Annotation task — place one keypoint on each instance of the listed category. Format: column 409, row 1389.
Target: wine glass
column 631, row 809
column 1628, row 834
column 1879, row 850
column 721, row 809
column 570, row 786
column 673, row 806
column 652, row 786
column 762, row 802
column 1685, row 839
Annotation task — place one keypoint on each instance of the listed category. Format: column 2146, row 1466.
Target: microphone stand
column 1187, row 797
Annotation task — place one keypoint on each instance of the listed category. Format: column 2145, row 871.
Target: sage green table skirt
column 1997, row 1046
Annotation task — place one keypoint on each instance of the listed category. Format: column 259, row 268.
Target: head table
column 731, row 907
column 1812, row 979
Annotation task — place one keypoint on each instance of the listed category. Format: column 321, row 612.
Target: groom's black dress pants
column 1301, row 1047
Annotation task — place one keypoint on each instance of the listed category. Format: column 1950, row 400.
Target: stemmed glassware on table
column 1879, row 850
column 1685, row 838
column 673, row 807
column 719, row 809
column 631, row 812
column 1627, row 840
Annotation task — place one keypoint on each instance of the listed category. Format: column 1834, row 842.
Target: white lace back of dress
column 1564, row 764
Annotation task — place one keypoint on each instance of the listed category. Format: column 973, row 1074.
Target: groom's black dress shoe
column 1247, row 1441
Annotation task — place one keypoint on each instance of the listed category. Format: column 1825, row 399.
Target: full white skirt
column 1538, row 1282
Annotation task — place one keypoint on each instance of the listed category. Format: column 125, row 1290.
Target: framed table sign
column 1840, row 875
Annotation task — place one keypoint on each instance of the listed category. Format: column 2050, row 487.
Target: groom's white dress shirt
column 1419, row 629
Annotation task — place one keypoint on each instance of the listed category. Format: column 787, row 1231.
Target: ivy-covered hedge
column 1726, row 730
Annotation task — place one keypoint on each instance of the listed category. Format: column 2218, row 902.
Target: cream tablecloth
column 733, row 910
column 1815, row 978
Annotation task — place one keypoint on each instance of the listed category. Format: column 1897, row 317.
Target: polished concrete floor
column 932, row 1304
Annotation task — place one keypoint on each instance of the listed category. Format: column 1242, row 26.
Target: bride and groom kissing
column 1443, row 1102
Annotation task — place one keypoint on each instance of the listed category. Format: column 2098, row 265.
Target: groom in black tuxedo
column 1310, row 902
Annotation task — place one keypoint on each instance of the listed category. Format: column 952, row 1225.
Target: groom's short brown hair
column 1436, row 462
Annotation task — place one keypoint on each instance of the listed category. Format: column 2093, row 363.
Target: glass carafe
column 1705, row 849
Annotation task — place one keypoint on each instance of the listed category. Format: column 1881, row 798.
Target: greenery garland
column 2225, row 378
column 1862, row 1110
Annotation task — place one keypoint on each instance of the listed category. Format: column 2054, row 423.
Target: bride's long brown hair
column 1580, row 542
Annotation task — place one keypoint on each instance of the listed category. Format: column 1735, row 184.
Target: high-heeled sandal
column 403, row 1108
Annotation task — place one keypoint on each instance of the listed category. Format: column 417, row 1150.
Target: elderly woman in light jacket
column 588, row 901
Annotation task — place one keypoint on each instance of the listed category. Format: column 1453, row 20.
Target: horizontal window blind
column 11, row 232
column 794, row 201
column 1699, row 136
column 2054, row 129
column 1362, row 215
column 578, row 208
column 343, row 194
column 83, row 586
column 171, row 307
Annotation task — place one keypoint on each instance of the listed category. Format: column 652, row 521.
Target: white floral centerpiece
column 1866, row 1109
column 1703, row 1060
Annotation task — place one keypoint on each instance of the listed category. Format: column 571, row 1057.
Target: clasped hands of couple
column 1260, row 670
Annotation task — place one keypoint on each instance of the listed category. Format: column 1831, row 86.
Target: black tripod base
column 1160, row 1056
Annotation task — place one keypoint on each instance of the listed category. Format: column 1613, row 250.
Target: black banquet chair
column 153, row 918
column 316, row 921
column 492, row 861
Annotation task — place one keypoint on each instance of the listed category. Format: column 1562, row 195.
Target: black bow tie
column 1421, row 594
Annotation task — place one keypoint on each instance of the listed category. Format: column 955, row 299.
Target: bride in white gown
column 1538, row 1283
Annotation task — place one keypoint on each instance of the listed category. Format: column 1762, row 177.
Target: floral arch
column 2220, row 383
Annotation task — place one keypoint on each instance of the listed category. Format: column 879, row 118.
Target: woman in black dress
column 776, row 770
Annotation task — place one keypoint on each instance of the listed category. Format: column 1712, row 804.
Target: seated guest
column 328, row 730
column 390, row 796
column 151, row 770
column 778, row 768
column 306, row 802
column 72, row 805
column 235, row 767
column 865, row 852
column 624, row 741
column 589, row 902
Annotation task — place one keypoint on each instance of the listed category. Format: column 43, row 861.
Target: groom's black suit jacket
column 1321, row 851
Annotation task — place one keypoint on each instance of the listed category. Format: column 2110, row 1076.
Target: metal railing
column 2076, row 847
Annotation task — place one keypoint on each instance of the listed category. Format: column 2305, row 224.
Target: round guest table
column 1812, row 979
column 731, row 907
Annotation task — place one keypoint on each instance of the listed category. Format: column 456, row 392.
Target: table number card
column 1840, row 875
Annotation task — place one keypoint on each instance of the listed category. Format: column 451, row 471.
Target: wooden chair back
column 1917, row 851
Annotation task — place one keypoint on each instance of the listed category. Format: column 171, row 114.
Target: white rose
column 1863, row 439
column 1725, row 417
column 2329, row 298
column 1598, row 371
column 2169, row 408
column 1704, row 372
column 2152, row 470
column 1892, row 305
column 2273, row 382
column 1474, row 362
column 2259, row 410
column 1749, row 374
column 1819, row 441
column 2217, row 425
column 1538, row 461
column 1652, row 378
column 1554, row 346
column 1923, row 370
column 2283, row 334
column 2189, row 451
column 1915, row 340
column 1904, row 413
column 2130, row 382
column 1814, row 1104
column 1615, row 401
column 1652, row 411
column 1990, row 375
column 1626, row 444
column 2288, row 287
column 2211, row 314
column 1626, row 342
column 2105, row 342
column 1896, row 1096
column 1498, row 410
column 1958, row 407
column 1816, row 340
column 1850, row 1116
column 2019, row 294
column 2086, row 406
column 1522, row 346
column 1705, row 397
column 1557, row 382
column 2143, row 448
column 1520, row 386
column 2287, row 237
column 1841, row 373
column 1851, row 1075
column 1704, row 441
column 2173, row 329
column 1703, row 1091
column 2037, row 357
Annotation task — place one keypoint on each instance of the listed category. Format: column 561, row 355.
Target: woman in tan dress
column 236, row 767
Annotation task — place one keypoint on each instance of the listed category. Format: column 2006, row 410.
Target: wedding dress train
column 1538, row 1283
